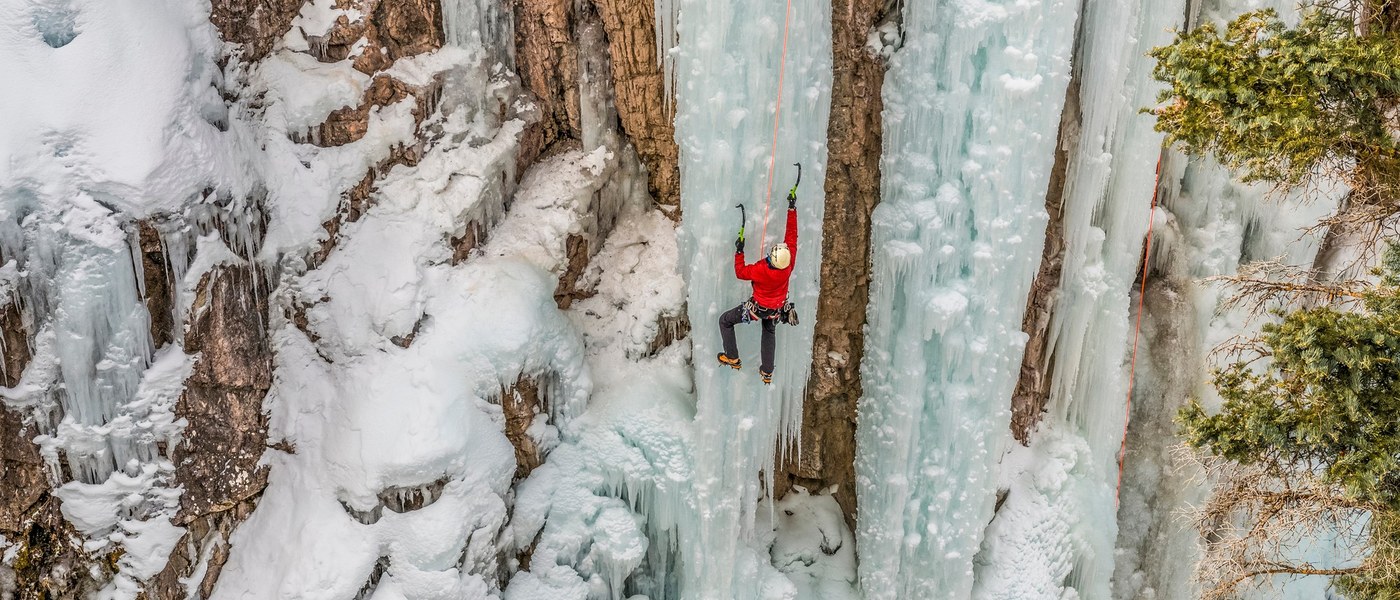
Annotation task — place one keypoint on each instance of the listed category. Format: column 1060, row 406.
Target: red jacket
column 770, row 286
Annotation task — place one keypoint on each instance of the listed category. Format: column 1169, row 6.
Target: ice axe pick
column 743, row 218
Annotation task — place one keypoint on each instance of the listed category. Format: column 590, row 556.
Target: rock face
column 547, row 62
column 400, row 28
column 392, row 30
column 49, row 561
column 208, row 536
column 217, row 460
column 521, row 404
column 254, row 24
column 852, row 189
column 349, row 124
column 1033, row 387
column 156, row 276
column 22, row 480
column 648, row 116
column 547, row 59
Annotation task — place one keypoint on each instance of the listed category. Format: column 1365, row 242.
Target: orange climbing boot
column 767, row 377
column 732, row 362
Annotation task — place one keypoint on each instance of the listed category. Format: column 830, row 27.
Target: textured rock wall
column 827, row 453
column 255, row 25
column 648, row 116
column 521, row 403
column 546, row 58
column 217, row 460
column 1033, row 387
column 22, row 480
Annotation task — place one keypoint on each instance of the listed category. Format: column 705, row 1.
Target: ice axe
column 799, row 176
column 743, row 218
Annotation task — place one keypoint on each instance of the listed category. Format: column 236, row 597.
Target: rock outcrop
column 216, row 461
column 1032, row 392
column 256, row 25
column 546, row 57
column 648, row 116
column 521, row 403
column 156, row 276
column 22, row 480
column 205, row 549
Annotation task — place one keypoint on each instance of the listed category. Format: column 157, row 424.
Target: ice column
column 727, row 69
column 93, row 340
column 972, row 108
column 476, row 24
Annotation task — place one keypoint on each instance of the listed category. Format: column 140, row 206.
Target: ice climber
column 768, row 304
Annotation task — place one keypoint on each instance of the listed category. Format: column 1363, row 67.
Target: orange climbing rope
column 1137, row 331
column 777, row 118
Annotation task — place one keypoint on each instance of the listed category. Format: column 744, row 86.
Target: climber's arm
column 741, row 270
column 790, row 236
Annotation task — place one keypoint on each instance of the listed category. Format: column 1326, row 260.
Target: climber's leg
column 727, row 321
column 768, row 346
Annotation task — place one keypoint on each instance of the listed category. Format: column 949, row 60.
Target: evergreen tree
column 1309, row 437
column 1277, row 103
column 1326, row 406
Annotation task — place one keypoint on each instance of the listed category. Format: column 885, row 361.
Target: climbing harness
column 753, row 311
column 777, row 118
column 1137, row 331
column 788, row 314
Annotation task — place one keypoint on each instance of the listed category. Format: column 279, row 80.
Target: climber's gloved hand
column 792, row 198
column 739, row 246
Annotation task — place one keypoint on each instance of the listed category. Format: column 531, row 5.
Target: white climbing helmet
column 779, row 256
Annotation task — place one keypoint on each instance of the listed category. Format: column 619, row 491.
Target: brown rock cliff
column 828, row 446
column 1032, row 392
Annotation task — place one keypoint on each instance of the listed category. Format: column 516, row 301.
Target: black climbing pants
column 738, row 315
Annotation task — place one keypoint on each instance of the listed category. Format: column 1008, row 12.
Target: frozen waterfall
column 972, row 108
column 727, row 69
column 400, row 334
